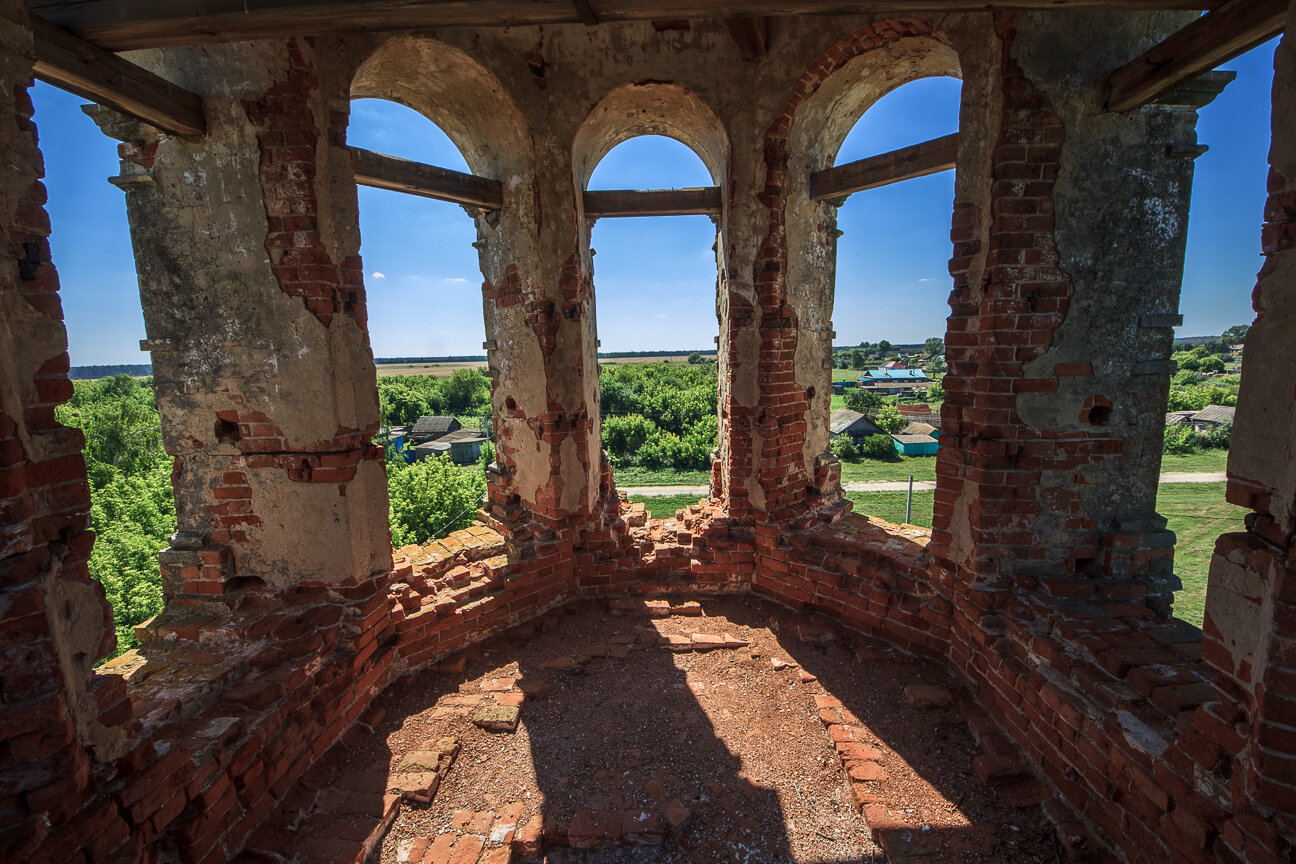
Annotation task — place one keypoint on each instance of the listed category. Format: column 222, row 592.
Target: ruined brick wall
column 1044, row 575
column 58, row 721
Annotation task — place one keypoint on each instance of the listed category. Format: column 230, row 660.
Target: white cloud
column 662, row 315
column 454, row 279
column 377, row 275
column 924, row 279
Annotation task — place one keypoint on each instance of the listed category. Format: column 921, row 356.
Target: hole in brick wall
column 810, row 393
column 510, row 403
column 226, row 431
column 1099, row 415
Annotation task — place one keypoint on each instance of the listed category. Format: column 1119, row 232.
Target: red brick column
column 58, row 721
column 265, row 378
column 1250, row 626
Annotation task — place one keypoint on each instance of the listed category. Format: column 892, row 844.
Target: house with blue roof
column 893, row 381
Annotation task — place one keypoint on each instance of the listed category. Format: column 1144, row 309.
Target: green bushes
column 658, row 415
column 843, row 447
column 132, row 509
column 431, row 497
column 403, row 399
column 878, row 447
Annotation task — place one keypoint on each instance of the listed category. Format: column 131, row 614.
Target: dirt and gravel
column 614, row 720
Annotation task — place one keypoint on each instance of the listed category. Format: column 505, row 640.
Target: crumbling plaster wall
column 265, row 379
column 1121, row 226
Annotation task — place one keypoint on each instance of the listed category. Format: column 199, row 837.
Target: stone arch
column 654, row 108
column 456, row 93
column 835, row 91
column 633, row 110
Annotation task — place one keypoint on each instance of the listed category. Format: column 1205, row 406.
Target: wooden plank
column 929, row 157
column 751, row 35
column 414, row 178
column 75, row 65
column 120, row 25
column 1215, row 38
column 659, row 202
column 585, row 13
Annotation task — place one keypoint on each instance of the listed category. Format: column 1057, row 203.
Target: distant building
column 1211, row 417
column 853, row 424
column 917, row 427
column 432, row 428
column 893, row 381
column 915, row 445
column 463, row 446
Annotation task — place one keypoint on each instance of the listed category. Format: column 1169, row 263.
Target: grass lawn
column 921, row 467
column 665, row 507
column 1197, row 513
column 891, row 506
column 1202, row 460
column 661, row 477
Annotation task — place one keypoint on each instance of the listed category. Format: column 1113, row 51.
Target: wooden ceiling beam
column 929, row 157
column 600, row 204
column 1214, row 38
column 585, row 13
column 92, row 73
column 427, row 181
column 121, row 25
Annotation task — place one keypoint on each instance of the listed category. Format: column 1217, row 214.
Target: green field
column 635, row 476
column 1202, row 460
column 1196, row 512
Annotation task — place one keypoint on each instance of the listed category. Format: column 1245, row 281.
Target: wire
column 472, row 506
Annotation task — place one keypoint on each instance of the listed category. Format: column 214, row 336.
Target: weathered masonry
column 1047, row 582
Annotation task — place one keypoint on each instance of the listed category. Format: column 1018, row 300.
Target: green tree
column 934, row 347
column 889, row 418
column 862, row 399
column 431, row 498
column 878, row 447
column 843, row 447
column 1235, row 335
column 1211, row 364
column 695, row 358
column 1178, row 439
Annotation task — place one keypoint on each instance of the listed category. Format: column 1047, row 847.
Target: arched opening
column 659, row 419
column 655, row 287
column 425, row 329
column 890, row 308
column 873, row 126
column 1229, row 185
column 131, row 507
column 420, row 100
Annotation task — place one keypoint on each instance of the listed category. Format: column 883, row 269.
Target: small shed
column 432, row 428
column 1179, row 418
column 1210, row 417
column 463, row 446
column 917, row 427
column 915, row 445
column 844, row 421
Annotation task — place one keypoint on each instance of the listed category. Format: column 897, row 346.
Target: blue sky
column 424, row 285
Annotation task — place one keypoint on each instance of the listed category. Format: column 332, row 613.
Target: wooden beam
column 751, row 34
column 585, row 13
column 929, row 157
column 1212, row 39
column 121, row 25
column 660, row 202
column 414, row 178
column 92, row 73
